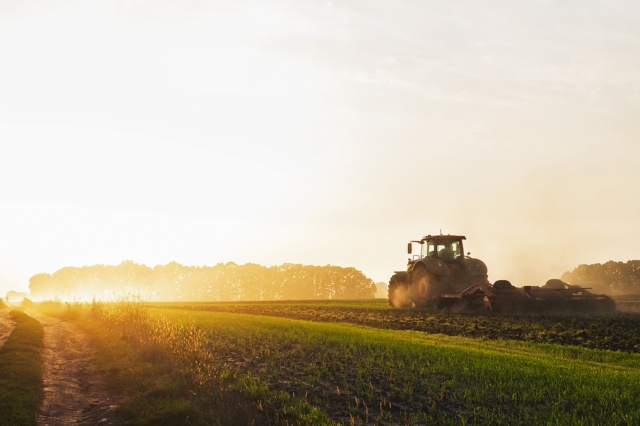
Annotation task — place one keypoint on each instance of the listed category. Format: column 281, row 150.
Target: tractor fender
column 435, row 266
column 475, row 267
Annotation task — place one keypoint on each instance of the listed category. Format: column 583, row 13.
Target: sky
column 319, row 133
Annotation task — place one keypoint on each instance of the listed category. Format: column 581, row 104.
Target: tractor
column 440, row 268
column 442, row 276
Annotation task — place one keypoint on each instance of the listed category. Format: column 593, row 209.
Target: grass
column 356, row 374
column 153, row 384
column 21, row 372
column 194, row 366
column 368, row 304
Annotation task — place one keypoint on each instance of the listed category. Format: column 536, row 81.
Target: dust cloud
column 402, row 296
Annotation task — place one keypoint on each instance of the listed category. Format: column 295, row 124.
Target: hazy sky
column 318, row 133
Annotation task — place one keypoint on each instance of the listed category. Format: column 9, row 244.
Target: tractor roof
column 444, row 237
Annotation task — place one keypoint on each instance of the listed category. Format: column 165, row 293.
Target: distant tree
column 41, row 284
column 610, row 277
column 66, row 281
column 229, row 281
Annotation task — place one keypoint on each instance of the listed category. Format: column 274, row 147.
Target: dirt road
column 73, row 391
column 6, row 325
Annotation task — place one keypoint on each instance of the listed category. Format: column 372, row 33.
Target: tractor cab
column 445, row 247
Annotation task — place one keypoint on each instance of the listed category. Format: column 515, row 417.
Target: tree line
column 222, row 282
column 611, row 277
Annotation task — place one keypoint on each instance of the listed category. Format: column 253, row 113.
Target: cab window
column 428, row 249
column 449, row 249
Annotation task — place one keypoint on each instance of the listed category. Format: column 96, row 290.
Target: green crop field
column 407, row 376
column 614, row 332
column 350, row 363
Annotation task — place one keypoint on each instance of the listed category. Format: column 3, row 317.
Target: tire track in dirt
column 73, row 391
column 6, row 325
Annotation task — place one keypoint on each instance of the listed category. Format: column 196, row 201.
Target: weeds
column 163, row 369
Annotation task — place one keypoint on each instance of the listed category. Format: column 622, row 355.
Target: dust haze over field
column 317, row 133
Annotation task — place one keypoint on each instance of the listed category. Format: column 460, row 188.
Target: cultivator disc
column 504, row 298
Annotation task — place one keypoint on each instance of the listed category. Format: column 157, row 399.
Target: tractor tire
column 424, row 286
column 399, row 291
column 419, row 280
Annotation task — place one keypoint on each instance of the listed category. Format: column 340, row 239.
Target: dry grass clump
column 240, row 397
column 160, row 340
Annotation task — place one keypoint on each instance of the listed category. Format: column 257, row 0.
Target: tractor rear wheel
column 420, row 282
column 426, row 286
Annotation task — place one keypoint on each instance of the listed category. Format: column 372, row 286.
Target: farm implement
column 442, row 277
